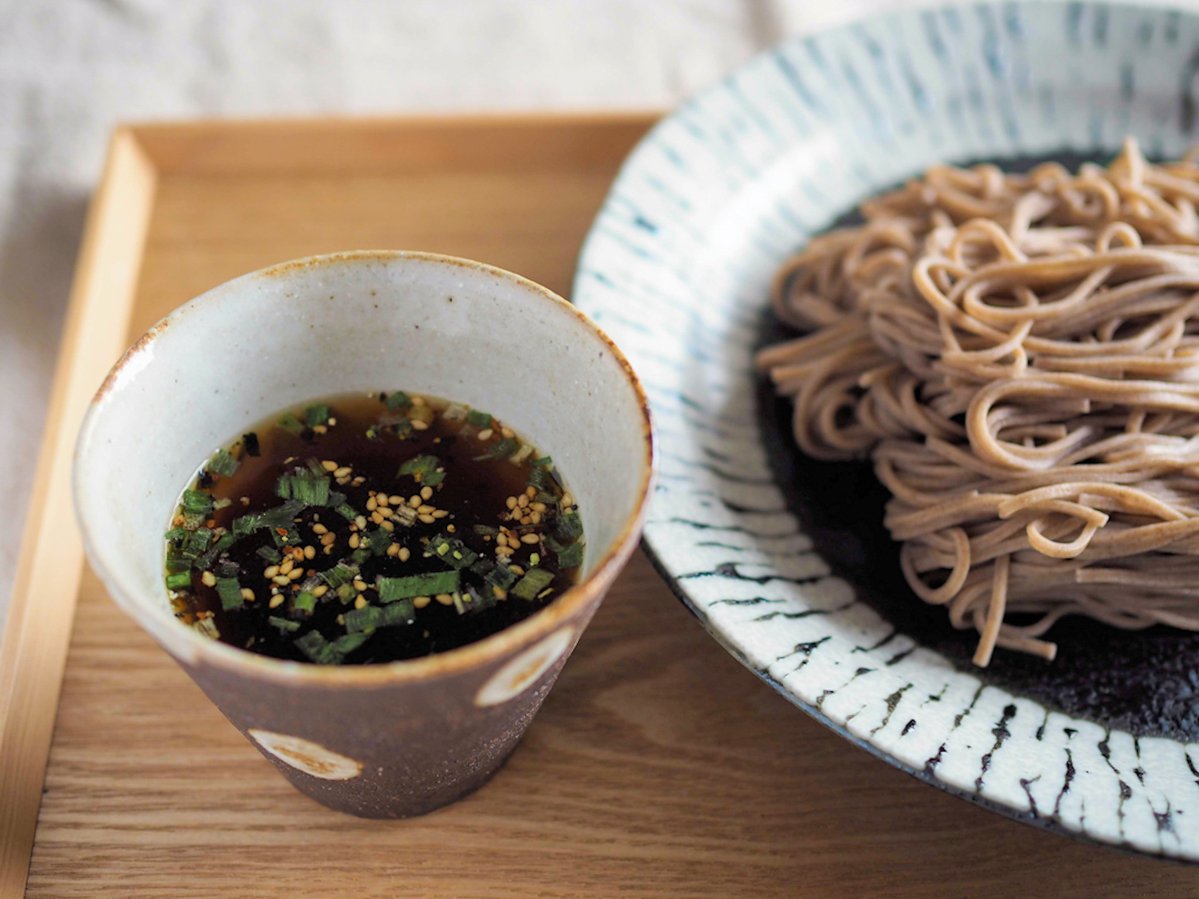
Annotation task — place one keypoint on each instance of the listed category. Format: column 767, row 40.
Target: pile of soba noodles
column 1019, row 357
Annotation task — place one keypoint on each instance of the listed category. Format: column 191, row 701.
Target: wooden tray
column 658, row 766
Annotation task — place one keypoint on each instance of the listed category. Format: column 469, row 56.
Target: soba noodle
column 1019, row 356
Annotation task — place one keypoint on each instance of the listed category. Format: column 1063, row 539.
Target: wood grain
column 658, row 766
column 46, row 584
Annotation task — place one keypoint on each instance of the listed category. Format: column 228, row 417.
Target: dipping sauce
column 361, row 529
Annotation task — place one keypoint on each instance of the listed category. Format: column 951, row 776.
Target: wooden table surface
column 658, row 765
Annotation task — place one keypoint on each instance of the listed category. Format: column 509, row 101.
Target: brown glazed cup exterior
column 399, row 739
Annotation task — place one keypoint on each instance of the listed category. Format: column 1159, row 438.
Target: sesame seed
column 510, row 502
column 418, row 425
column 332, row 422
column 440, row 513
column 208, row 579
column 421, row 601
column 382, row 500
column 530, row 538
column 320, row 591
column 567, row 500
column 393, row 550
column 358, row 481
column 531, row 492
column 359, row 584
column 286, row 566
column 328, row 539
column 354, row 541
column 360, row 521
column 405, row 553
column 426, row 519
column 450, row 528
column 486, row 434
column 344, row 472
column 426, row 492
column 516, row 569
column 424, row 509
column 445, row 599
column 523, row 502
column 387, row 526
column 319, row 529
column 414, row 500
column 281, row 579
column 296, row 573
column 508, row 432
column 309, row 552
column 501, row 540
column 537, row 507
column 504, row 550
column 329, row 465
column 342, row 481
column 535, row 518
column 399, row 501
column 360, row 602
column 371, row 505
column 276, row 601
column 271, row 571
column 376, row 517
column 247, row 594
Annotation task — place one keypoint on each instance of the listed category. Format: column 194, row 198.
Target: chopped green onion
column 176, row 534
column 451, row 551
column 571, row 555
column 422, row 468
column 569, row 526
column 304, row 602
column 501, row 450
column 197, row 541
column 222, row 462
column 344, row 509
column 179, row 581
column 281, row 516
column 229, row 590
column 317, row 414
column 318, row 649
column 478, row 419
column 222, row 545
column 364, row 619
column 305, row 487
column 550, row 499
column 339, row 574
column 534, row 581
column 284, row 625
column 246, row 524
column 480, row 600
column 268, row 554
column 227, row 568
column 485, row 530
column 313, row 644
column 177, row 562
column 361, row 555
column 501, row 576
column 196, row 502
column 378, row 540
column 543, row 462
column 393, row 588
column 397, row 400
column 291, row 424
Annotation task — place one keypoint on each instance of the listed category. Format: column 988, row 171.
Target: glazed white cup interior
column 335, row 324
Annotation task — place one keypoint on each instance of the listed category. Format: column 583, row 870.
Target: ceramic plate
column 785, row 561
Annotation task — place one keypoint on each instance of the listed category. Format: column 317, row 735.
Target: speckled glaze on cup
column 402, row 738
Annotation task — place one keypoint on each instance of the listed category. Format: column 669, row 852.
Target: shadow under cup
column 403, row 738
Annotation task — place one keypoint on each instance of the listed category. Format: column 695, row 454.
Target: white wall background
column 70, row 69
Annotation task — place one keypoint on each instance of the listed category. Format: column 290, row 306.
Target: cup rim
column 180, row 640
